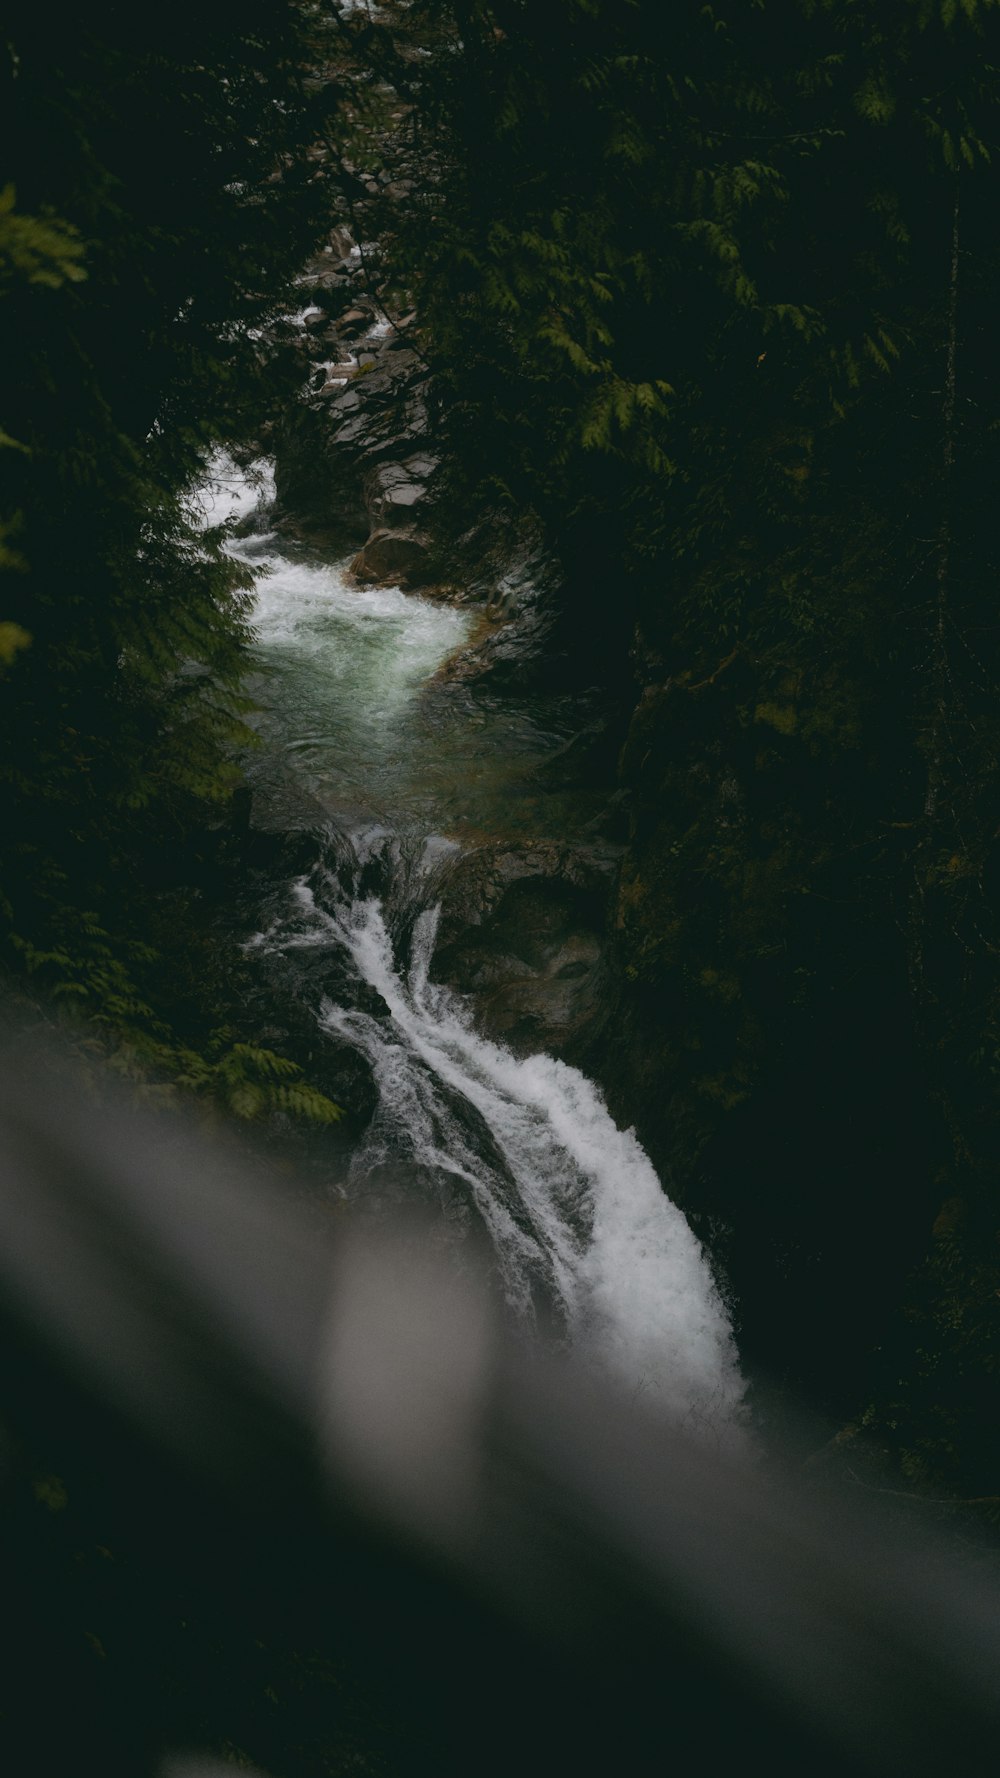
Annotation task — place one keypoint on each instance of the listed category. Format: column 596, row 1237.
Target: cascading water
column 585, row 1240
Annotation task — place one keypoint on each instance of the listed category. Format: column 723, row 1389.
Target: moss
column 783, row 717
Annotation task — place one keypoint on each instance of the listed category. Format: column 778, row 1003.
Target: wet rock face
column 392, row 556
column 523, row 930
column 353, row 459
column 395, row 491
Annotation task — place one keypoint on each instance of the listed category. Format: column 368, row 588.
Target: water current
column 398, row 769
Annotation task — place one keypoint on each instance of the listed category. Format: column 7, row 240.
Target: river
column 393, row 770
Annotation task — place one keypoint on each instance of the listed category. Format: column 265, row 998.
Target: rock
column 335, row 378
column 388, row 375
column 479, row 880
column 354, row 321
column 341, row 242
column 400, row 501
column 516, row 655
column 352, row 431
column 393, row 494
column 396, row 340
column 523, row 929
column 391, row 556
column 328, row 266
column 421, row 468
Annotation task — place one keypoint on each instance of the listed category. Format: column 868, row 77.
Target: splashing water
column 230, row 494
column 576, row 1214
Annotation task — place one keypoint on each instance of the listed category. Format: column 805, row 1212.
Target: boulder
column 341, row 242
column 523, row 928
column 421, row 468
column 335, row 378
column 400, row 499
column 392, row 556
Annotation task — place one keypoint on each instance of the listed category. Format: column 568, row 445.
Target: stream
column 394, row 770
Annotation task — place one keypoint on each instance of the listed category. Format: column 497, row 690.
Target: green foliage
column 253, row 1083
column 12, row 640
column 164, row 201
column 40, row 250
column 33, row 250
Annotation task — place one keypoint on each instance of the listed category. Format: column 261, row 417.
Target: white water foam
column 231, row 494
column 298, row 601
column 569, row 1199
column 343, row 664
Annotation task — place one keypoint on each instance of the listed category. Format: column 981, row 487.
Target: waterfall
column 588, row 1247
column 578, row 1219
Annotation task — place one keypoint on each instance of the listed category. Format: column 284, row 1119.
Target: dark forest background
column 710, row 291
